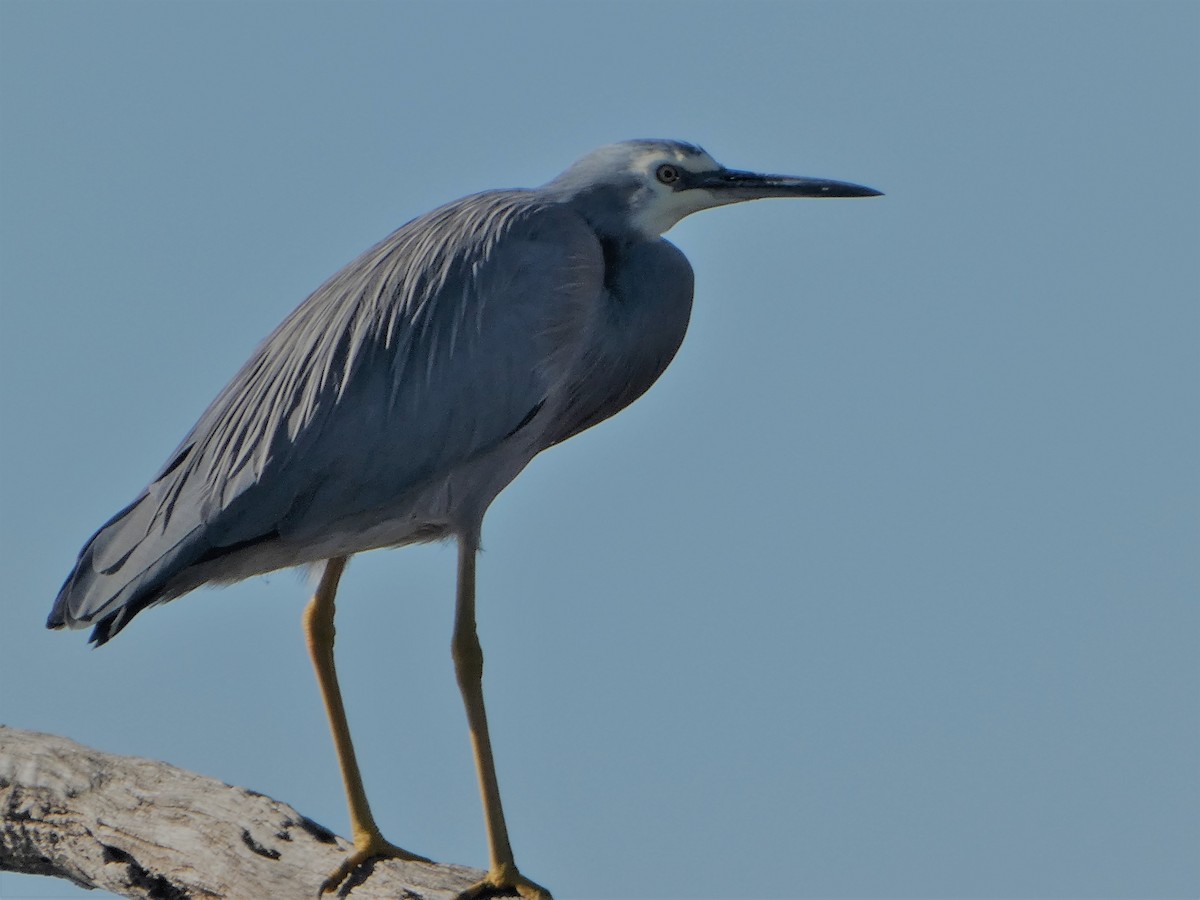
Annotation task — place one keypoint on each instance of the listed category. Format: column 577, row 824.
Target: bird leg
column 319, row 632
column 502, row 876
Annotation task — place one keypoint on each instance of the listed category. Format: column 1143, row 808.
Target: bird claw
column 366, row 850
column 505, row 881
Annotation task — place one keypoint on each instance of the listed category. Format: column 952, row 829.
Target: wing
column 426, row 351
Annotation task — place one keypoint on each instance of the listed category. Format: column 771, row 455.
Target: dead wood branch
column 140, row 828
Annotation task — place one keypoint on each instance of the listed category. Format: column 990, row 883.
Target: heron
column 395, row 403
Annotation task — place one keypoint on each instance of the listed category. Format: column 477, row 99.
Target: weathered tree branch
column 140, row 828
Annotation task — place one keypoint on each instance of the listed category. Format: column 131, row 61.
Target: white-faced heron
column 397, row 401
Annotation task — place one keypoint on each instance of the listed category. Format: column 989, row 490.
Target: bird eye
column 667, row 174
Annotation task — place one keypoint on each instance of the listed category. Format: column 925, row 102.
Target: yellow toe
column 505, row 880
column 367, row 848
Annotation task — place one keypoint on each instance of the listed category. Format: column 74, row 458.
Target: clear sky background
column 887, row 589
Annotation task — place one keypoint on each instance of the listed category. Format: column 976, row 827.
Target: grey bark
column 141, row 828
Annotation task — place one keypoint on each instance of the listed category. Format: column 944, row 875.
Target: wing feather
column 430, row 348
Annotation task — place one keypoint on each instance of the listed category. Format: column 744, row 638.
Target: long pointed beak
column 733, row 186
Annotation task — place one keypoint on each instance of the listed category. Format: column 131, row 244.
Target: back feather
column 413, row 359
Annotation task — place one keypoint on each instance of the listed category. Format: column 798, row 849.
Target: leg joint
column 468, row 656
column 318, row 622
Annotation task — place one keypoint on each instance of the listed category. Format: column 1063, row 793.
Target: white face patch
column 659, row 206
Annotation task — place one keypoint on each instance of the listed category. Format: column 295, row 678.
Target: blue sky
column 887, row 589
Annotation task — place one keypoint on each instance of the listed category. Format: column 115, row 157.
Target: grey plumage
column 314, row 438
column 408, row 390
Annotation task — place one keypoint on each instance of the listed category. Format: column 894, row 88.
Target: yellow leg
column 468, row 666
column 319, row 631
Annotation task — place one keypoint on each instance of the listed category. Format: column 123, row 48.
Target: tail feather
column 126, row 566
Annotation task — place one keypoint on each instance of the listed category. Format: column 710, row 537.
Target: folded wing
column 428, row 350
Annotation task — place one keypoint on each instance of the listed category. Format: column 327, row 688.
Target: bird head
column 647, row 186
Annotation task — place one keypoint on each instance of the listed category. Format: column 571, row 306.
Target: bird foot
column 367, row 848
column 505, row 881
